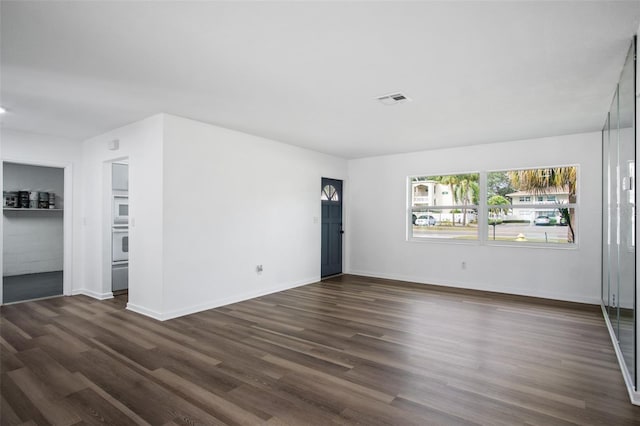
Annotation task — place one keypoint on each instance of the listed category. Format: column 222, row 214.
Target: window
column 525, row 206
column 329, row 193
column 512, row 216
column 456, row 214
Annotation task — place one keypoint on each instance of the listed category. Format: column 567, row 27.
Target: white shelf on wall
column 16, row 209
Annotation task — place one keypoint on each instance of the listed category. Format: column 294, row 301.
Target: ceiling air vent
column 393, row 98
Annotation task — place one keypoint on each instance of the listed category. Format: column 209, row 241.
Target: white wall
column 28, row 148
column 141, row 144
column 233, row 201
column 33, row 240
column 377, row 242
column 206, row 206
column 209, row 204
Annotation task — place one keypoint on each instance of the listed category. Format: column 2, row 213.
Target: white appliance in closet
column 120, row 227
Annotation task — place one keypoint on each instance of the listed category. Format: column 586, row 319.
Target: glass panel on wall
column 618, row 219
column 626, row 214
column 606, row 202
column 613, row 214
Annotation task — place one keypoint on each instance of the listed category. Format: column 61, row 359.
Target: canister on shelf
column 23, row 199
column 33, row 199
column 10, row 199
column 43, row 200
column 52, row 200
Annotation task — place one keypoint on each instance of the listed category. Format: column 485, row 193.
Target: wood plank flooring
column 350, row 350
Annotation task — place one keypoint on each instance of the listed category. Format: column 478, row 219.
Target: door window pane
column 329, row 193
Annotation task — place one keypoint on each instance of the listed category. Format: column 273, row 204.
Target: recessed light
column 2, row 110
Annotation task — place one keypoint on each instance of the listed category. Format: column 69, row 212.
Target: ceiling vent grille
column 393, row 98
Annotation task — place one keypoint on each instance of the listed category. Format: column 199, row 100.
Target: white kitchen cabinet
column 120, row 177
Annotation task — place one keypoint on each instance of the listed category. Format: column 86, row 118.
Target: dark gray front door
column 331, row 198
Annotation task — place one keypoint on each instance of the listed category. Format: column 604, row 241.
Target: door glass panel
column 618, row 217
column 614, row 173
column 606, row 222
column 329, row 193
column 626, row 212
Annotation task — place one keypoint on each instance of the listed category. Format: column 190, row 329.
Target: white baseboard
column 479, row 286
column 144, row 311
column 91, row 293
column 226, row 300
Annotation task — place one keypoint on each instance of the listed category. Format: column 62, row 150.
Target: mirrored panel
column 618, row 216
column 626, row 214
column 613, row 213
column 606, row 203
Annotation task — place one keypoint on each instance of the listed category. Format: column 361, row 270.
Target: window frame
column 409, row 209
column 483, row 212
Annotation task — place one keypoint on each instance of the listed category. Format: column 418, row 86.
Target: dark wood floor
column 351, row 350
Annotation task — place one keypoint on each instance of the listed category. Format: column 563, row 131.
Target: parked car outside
column 426, row 221
column 542, row 220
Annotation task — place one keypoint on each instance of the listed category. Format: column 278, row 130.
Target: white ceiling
column 307, row 73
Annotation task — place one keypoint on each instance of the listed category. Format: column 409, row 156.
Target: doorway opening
column 118, row 228
column 331, row 251
column 33, row 255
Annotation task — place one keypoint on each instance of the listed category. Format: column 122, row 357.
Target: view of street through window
column 525, row 206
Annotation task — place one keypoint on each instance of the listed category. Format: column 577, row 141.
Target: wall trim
column 144, row 311
column 477, row 286
column 93, row 294
column 225, row 300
